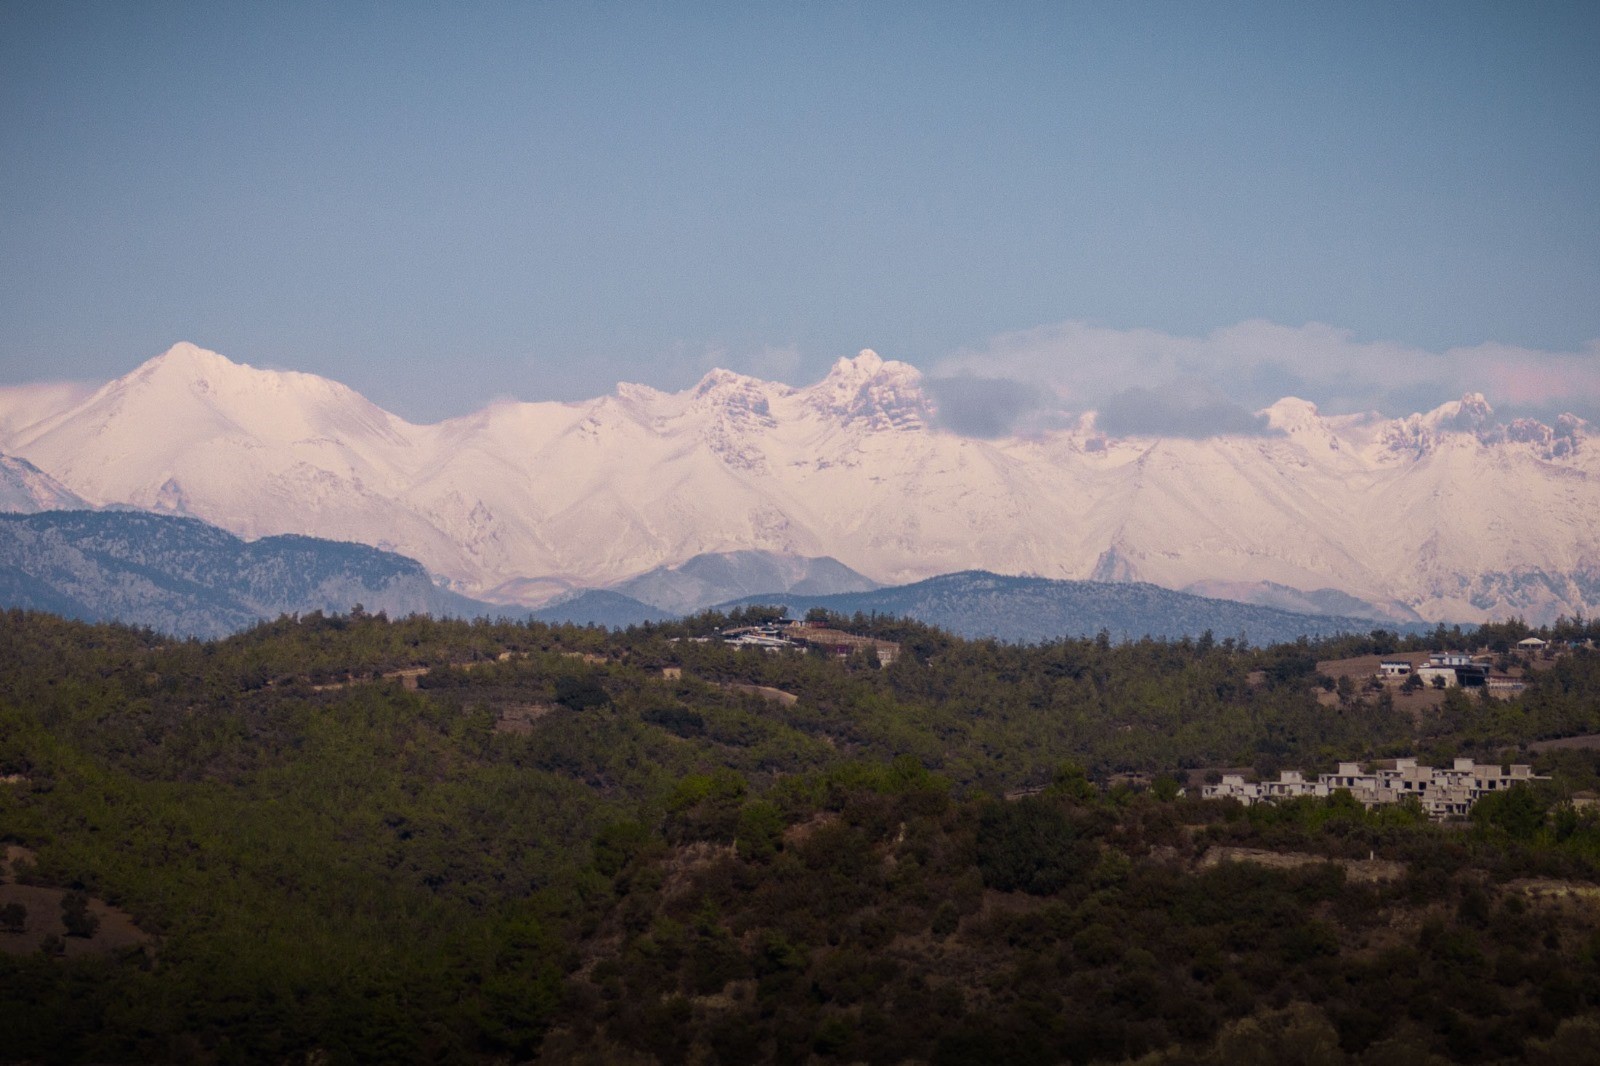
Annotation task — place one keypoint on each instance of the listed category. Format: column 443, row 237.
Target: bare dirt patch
column 766, row 692
column 115, row 930
column 1362, row 668
column 1355, row 869
column 1547, row 890
column 10, row 856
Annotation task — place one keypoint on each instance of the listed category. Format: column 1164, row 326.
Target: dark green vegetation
column 547, row 849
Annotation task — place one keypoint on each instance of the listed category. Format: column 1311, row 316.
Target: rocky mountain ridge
column 183, row 577
column 1440, row 515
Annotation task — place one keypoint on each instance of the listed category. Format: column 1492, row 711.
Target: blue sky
column 1368, row 204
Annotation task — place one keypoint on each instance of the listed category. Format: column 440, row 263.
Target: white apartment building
column 1443, row 793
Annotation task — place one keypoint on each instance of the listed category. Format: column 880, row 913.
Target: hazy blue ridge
column 717, row 577
column 602, row 607
column 976, row 604
column 187, row 578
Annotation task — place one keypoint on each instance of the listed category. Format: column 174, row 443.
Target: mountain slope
column 25, row 489
column 976, row 604
column 1315, row 601
column 714, row 578
column 181, row 576
column 1444, row 515
column 600, row 607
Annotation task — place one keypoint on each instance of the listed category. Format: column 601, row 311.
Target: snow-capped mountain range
column 1443, row 515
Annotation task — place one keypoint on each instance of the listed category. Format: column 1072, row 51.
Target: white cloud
column 1257, row 362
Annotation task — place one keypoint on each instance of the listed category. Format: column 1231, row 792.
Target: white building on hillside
column 1442, row 793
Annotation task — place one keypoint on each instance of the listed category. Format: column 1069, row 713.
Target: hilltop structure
column 777, row 636
column 1443, row 793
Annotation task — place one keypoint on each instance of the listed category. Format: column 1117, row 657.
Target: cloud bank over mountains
column 1147, row 381
column 988, row 407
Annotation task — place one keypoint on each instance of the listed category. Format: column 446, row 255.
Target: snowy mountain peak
column 866, row 363
column 634, row 392
column 1292, row 413
column 1548, row 442
column 737, row 409
column 222, row 381
column 1302, row 422
column 185, row 357
column 1417, row 435
column 190, row 418
column 189, row 382
column 720, row 380
column 189, row 368
column 879, row 393
column 736, row 392
column 1472, row 417
column 1468, row 414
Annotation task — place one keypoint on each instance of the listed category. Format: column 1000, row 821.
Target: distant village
column 1441, row 793
column 795, row 635
column 1453, row 669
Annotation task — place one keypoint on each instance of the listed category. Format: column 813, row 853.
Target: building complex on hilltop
column 1443, row 793
column 777, row 636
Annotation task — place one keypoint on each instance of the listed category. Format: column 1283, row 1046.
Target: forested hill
column 351, row 839
column 184, row 577
column 976, row 603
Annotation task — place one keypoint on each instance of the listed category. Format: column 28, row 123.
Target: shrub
column 76, row 917
column 1030, row 846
